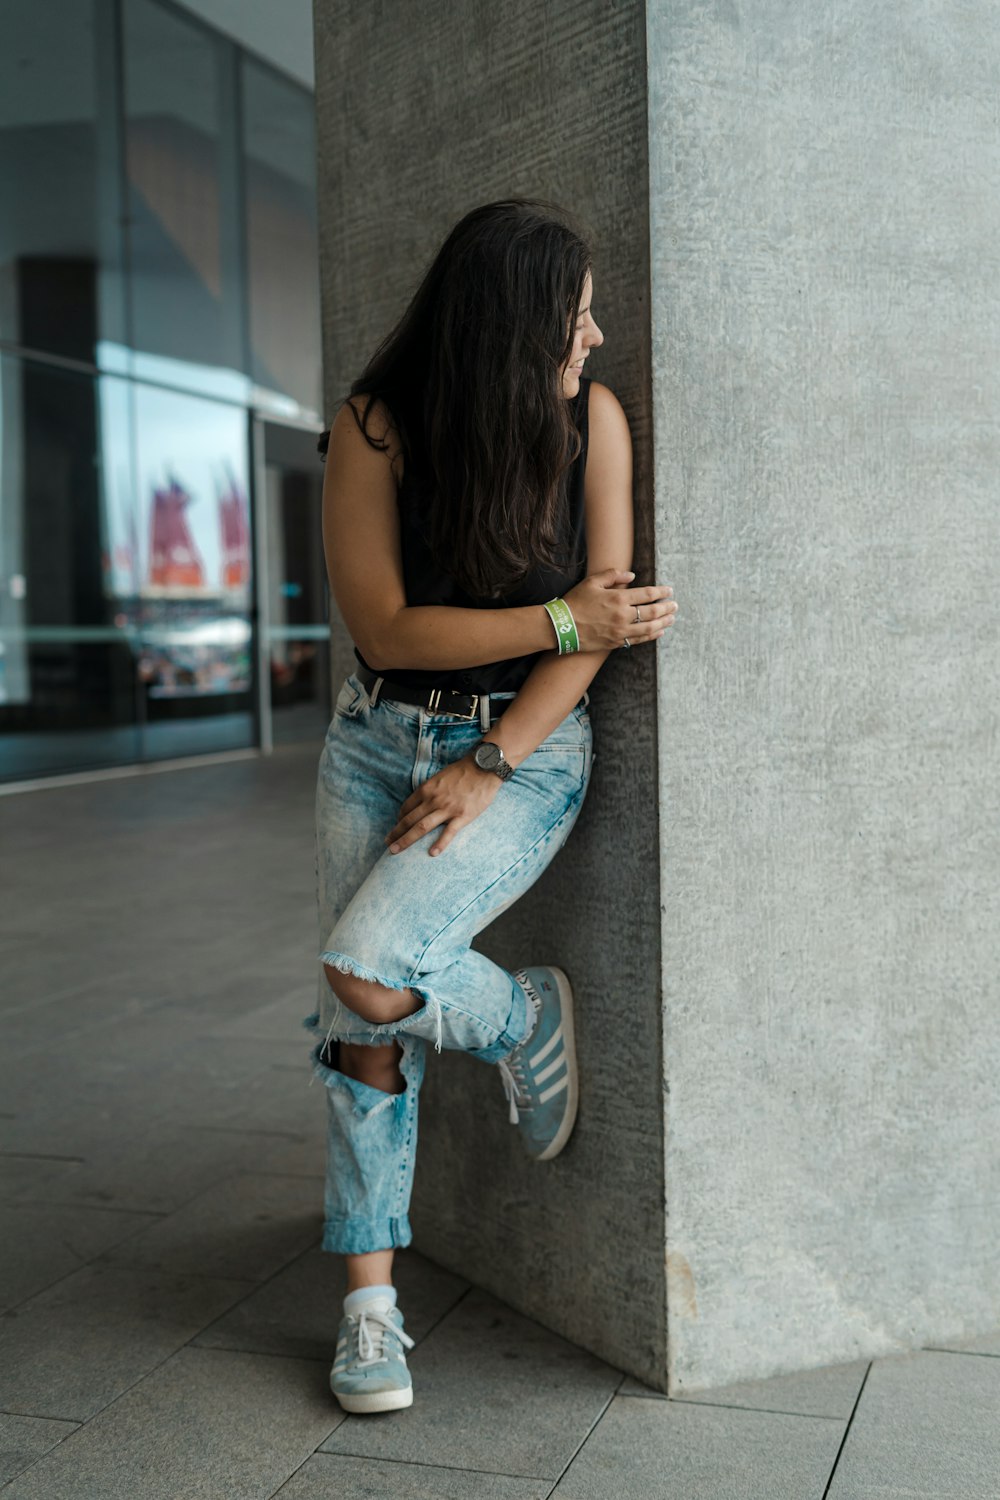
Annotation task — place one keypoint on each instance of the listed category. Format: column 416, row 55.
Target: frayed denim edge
column 331, row 1078
column 388, row 1030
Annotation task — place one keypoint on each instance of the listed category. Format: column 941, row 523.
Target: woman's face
column 586, row 336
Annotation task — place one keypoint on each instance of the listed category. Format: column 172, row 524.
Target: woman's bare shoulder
column 377, row 428
column 606, row 420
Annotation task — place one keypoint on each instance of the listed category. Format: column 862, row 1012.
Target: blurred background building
column 162, row 587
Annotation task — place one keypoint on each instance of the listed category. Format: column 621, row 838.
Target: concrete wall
column 807, row 798
column 825, row 193
column 424, row 111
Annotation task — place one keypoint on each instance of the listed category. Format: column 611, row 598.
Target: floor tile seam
column 422, row 1463
column 846, row 1433
column 102, row 1262
column 94, row 1208
column 583, row 1443
column 146, row 1374
column 61, row 995
column 257, row 1287
column 37, row 1417
column 48, row 1452
column 299, row 1467
column 771, row 1411
column 209, row 1187
column 39, row 1156
column 284, row 1135
column 421, row 1341
column 94, row 1260
column 961, row 1353
column 309, row 1359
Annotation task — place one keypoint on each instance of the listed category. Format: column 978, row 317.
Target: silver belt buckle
column 434, row 706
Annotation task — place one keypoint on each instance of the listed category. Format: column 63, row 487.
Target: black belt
column 437, row 700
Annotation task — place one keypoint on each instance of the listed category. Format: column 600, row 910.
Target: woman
column 475, row 478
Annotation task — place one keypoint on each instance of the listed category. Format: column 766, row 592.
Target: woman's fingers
column 413, row 827
column 451, row 828
column 649, row 594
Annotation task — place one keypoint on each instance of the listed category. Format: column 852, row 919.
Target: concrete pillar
column 782, row 889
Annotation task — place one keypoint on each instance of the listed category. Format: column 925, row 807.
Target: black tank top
column 426, row 582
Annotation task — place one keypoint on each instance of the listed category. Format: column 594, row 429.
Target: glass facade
column 158, row 301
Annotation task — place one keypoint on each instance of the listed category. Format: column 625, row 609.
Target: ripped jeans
column 407, row 920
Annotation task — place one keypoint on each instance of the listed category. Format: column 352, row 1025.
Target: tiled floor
column 169, row 1319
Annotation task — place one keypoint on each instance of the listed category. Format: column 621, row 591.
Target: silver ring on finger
column 638, row 616
column 626, row 644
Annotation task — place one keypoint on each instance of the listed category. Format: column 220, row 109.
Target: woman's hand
column 604, row 610
column 453, row 796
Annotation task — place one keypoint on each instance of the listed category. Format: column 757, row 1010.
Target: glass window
column 282, row 250
column 193, row 562
column 60, row 230
column 68, row 695
column 184, row 225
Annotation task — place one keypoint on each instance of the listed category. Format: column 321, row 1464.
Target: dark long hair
column 471, row 378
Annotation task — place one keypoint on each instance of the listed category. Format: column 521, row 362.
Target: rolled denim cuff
column 514, row 1032
column 360, row 1236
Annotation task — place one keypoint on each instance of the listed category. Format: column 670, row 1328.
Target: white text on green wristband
column 561, row 616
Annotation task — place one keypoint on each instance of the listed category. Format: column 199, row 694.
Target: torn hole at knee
column 374, row 997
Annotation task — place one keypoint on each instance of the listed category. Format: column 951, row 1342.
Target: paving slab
column 276, row 1020
column 207, row 1424
column 827, row 1392
column 670, row 1450
column 927, row 1427
column 286, row 1098
column 246, row 1227
column 125, row 1165
column 492, row 1391
column 298, row 1311
column 325, row 1476
column 281, row 1153
column 39, row 1243
column 25, row 1439
column 73, row 1348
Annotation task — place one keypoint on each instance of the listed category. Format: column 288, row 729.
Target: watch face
column 488, row 756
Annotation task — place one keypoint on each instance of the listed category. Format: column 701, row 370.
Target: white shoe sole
column 565, row 1130
column 376, row 1400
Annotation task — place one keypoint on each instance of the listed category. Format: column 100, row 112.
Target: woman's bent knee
column 373, row 1002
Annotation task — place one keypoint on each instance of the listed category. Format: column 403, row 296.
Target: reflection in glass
column 184, row 230
column 282, row 250
column 67, row 674
column 60, row 231
column 191, row 613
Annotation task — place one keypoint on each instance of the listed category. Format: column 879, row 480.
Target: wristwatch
column 489, row 757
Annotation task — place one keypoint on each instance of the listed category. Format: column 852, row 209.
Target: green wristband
column 561, row 616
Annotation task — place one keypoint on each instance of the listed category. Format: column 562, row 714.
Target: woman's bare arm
column 555, row 682
column 364, row 564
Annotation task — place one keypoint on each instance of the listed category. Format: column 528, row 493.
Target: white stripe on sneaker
column 551, row 1068
column 544, row 1051
column 548, row 1093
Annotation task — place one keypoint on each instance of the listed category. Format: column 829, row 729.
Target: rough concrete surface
column 824, row 220
column 423, row 113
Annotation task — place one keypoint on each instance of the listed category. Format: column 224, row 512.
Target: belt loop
column 586, row 697
column 375, row 690
column 484, row 712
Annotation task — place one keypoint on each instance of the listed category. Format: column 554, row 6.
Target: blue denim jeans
column 407, row 920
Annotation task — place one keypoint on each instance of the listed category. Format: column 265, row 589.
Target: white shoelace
column 515, row 1090
column 372, row 1327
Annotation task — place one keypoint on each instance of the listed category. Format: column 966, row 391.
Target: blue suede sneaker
column 539, row 1076
column 369, row 1369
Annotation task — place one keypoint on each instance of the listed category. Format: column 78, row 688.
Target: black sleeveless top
column 427, row 583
